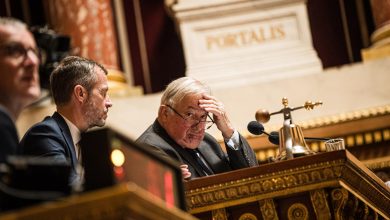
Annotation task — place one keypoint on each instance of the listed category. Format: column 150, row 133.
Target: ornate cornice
column 265, row 186
column 346, row 117
column 335, row 119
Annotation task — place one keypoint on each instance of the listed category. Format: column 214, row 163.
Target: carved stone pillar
column 239, row 42
column 380, row 39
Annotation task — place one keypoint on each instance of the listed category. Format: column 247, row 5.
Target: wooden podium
column 330, row 185
column 124, row 201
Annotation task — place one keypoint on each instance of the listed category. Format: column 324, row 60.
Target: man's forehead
column 15, row 34
column 193, row 105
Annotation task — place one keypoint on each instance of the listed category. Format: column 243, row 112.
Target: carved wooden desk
column 331, row 185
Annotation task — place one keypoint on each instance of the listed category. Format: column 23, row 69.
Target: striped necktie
column 201, row 162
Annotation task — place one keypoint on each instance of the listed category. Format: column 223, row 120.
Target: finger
column 208, row 99
column 186, row 175
column 215, row 110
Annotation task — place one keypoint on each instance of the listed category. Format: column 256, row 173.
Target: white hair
column 180, row 88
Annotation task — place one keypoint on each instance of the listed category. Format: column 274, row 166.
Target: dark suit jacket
column 51, row 138
column 9, row 140
column 160, row 142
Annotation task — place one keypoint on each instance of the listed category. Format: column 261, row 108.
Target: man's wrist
column 234, row 140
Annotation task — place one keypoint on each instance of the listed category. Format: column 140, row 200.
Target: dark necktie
column 201, row 161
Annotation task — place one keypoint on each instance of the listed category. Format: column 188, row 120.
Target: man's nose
column 108, row 102
column 31, row 58
column 199, row 126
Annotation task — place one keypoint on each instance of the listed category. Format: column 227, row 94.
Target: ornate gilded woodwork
column 272, row 184
column 320, row 204
column 374, row 118
column 322, row 186
column 219, row 214
column 339, row 199
column 366, row 133
column 247, row 216
column 298, row 211
column 268, row 211
column 346, row 206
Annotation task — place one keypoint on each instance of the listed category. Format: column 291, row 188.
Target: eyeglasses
column 191, row 119
column 17, row 50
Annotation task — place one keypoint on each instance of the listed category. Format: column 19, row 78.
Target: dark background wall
column 340, row 29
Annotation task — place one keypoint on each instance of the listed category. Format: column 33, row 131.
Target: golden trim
column 378, row 163
column 346, row 117
column 264, row 186
column 337, row 118
column 247, row 216
column 352, row 140
column 341, row 172
column 339, row 199
column 381, row 34
column 219, row 214
column 268, row 210
column 319, row 203
column 298, row 211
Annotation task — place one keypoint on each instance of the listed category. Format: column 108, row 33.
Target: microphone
column 256, row 128
column 273, row 137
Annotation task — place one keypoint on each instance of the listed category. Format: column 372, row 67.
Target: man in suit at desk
column 79, row 88
column 179, row 132
column 19, row 79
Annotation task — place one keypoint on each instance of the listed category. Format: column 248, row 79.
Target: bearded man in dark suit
column 79, row 88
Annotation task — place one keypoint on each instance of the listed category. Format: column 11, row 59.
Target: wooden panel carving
column 268, row 210
column 332, row 185
column 320, row 205
column 219, row 214
column 298, row 211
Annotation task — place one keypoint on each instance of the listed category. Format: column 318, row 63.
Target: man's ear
column 163, row 112
column 80, row 93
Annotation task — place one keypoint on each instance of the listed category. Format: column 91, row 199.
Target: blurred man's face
column 19, row 62
column 98, row 102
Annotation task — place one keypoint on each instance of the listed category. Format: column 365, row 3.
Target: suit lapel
column 183, row 154
column 189, row 159
column 67, row 136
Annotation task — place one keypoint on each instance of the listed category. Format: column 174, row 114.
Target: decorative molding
column 298, row 211
column 358, row 128
column 346, row 117
column 316, row 175
column 339, row 199
column 268, row 210
column 337, row 118
column 320, row 204
column 219, row 214
column 266, row 186
column 247, row 216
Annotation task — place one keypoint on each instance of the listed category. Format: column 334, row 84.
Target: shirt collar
column 74, row 131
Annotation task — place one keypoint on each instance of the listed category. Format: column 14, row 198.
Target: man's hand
column 185, row 172
column 212, row 105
